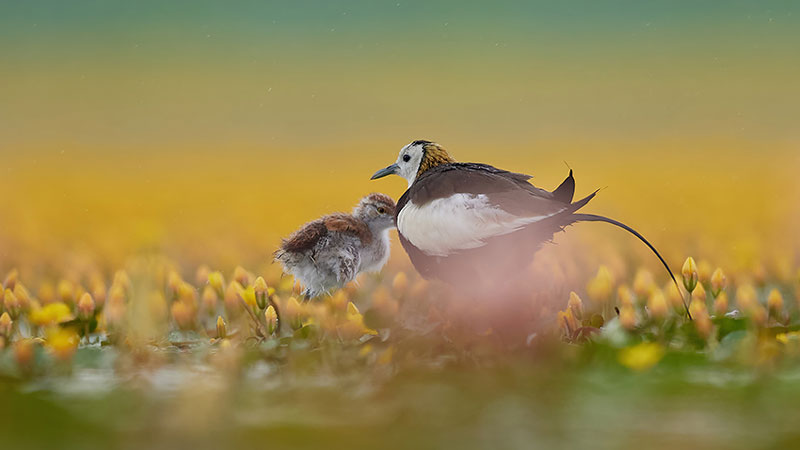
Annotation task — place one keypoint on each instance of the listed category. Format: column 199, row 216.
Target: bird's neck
column 434, row 156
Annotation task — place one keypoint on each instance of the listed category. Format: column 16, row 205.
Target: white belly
column 458, row 222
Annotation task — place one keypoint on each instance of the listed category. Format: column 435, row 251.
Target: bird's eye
column 381, row 210
column 406, row 158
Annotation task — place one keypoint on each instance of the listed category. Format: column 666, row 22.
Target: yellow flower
column 718, row 282
column 698, row 294
column 703, row 271
column 657, row 305
column 66, row 291
column 6, row 325
column 353, row 327
column 249, row 296
column 784, row 338
column 271, row 317
column 601, row 286
column 775, row 302
column 642, row 356
column 183, row 314
column 222, row 331
column 575, row 305
column 86, row 306
column 700, row 318
column 293, row 313
column 201, row 275
column 11, row 280
column 11, row 304
column 643, row 284
column 232, row 294
column 23, row 296
column 122, row 280
column 339, row 299
column 62, row 342
column 242, row 276
column 721, row 304
column 209, row 299
column 625, row 295
column 746, row 297
column 400, row 284
column 50, row 314
column 24, row 352
column 627, row 317
column 689, row 272
column 216, row 281
column 261, row 291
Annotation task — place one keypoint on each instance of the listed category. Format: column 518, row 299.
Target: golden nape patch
column 435, row 155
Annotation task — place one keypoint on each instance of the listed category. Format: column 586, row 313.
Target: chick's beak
column 393, row 169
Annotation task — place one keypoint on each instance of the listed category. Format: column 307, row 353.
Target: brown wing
column 345, row 223
column 306, row 237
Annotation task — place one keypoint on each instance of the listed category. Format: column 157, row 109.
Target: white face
column 408, row 162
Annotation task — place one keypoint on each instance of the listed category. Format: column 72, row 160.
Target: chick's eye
column 381, row 210
column 406, row 158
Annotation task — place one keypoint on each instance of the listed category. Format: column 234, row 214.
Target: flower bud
column 222, row 331
column 249, row 296
column 6, row 325
column 657, row 305
column 271, row 317
column 567, row 322
column 122, row 280
column 209, row 299
column 11, row 280
column 62, row 342
column 689, row 272
column 400, row 284
column 627, row 317
column 242, row 276
column 746, row 297
column 66, row 292
column 775, row 302
column 201, row 275
column 294, row 313
column 626, row 296
column 601, row 286
column 216, row 281
column 643, row 284
column 232, row 294
column 261, row 291
column 718, row 282
column 99, row 293
column 704, row 272
column 174, row 282
column 11, row 304
column 24, row 352
column 721, row 304
column 86, row 307
column 183, row 315
column 575, row 305
column 698, row 294
column 23, row 296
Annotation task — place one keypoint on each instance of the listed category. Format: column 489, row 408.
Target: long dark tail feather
column 566, row 189
column 596, row 218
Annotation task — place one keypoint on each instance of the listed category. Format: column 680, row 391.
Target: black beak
column 391, row 170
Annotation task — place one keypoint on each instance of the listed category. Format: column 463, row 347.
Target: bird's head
column 377, row 210
column 414, row 159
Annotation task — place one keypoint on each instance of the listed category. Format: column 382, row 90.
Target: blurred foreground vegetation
column 159, row 356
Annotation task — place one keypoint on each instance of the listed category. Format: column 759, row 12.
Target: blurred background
column 147, row 143
column 207, row 130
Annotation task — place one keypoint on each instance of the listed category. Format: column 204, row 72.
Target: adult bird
column 476, row 226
